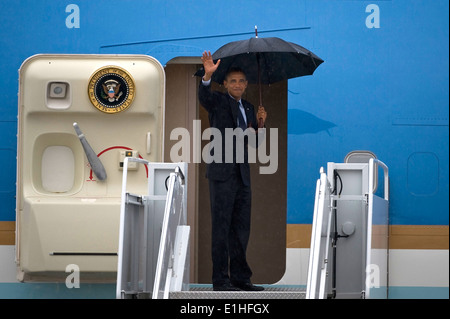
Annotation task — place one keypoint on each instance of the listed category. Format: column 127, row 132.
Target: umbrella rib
column 310, row 55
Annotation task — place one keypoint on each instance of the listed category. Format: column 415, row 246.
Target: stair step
column 270, row 292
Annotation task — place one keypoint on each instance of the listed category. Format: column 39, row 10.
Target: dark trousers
column 230, row 216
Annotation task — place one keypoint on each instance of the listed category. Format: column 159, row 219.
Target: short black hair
column 234, row 69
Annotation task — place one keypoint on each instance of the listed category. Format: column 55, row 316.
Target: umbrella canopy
column 265, row 60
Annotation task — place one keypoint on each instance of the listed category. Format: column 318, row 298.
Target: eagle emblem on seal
column 112, row 90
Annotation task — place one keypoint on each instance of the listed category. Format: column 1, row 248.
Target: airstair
column 153, row 256
column 349, row 243
column 348, row 255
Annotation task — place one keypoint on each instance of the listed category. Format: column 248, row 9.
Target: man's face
column 235, row 83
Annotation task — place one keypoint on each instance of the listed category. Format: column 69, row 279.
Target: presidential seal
column 111, row 89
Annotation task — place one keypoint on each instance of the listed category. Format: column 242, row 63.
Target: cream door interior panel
column 65, row 214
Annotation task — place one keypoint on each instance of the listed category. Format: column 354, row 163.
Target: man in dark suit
column 229, row 181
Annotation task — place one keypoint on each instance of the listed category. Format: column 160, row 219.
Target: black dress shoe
column 248, row 286
column 225, row 287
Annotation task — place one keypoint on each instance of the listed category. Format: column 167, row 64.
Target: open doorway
column 267, row 246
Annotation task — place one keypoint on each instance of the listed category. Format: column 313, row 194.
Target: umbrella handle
column 260, row 121
column 259, row 78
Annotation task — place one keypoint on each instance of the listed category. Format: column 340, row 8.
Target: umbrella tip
column 256, row 31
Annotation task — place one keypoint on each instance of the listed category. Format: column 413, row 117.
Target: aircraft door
column 79, row 116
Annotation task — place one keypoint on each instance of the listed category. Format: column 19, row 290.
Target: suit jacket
column 222, row 112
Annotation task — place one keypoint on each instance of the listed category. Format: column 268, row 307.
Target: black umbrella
column 264, row 60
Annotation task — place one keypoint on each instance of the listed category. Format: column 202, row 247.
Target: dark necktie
column 241, row 121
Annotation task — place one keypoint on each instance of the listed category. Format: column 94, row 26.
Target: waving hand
column 209, row 65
